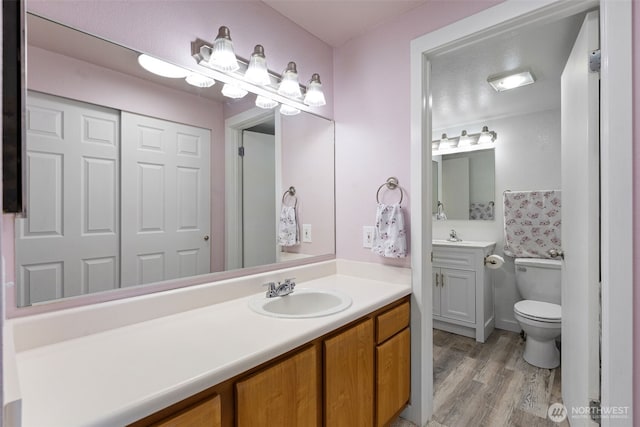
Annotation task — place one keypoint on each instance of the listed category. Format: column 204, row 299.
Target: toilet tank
column 539, row 279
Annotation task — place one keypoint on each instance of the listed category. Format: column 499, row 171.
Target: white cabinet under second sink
column 463, row 289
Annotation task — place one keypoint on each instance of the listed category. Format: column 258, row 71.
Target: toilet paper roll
column 494, row 261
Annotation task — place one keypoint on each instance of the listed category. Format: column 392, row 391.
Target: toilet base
column 543, row 354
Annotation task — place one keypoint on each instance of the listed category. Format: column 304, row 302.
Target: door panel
column 165, row 200
column 71, row 228
column 580, row 225
column 458, row 295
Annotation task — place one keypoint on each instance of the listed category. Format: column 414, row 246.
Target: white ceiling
column 337, row 21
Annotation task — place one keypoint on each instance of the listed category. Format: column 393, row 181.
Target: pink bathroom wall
column 167, row 28
column 372, row 119
column 60, row 75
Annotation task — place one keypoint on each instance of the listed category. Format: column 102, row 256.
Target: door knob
column 206, row 238
column 553, row 253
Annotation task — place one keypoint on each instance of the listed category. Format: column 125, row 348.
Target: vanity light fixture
column 288, row 110
column 289, row 85
column 199, row 80
column 314, row 96
column 161, row 68
column 253, row 75
column 465, row 142
column 257, row 71
column 264, row 102
column 511, row 80
column 231, row 90
column 222, row 55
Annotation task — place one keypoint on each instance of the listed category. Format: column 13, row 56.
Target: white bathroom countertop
column 463, row 244
column 120, row 375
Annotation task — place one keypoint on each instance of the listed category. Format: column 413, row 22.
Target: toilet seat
column 539, row 311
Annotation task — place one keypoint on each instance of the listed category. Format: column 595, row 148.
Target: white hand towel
column 288, row 233
column 389, row 236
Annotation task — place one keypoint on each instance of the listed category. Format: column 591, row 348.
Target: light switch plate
column 306, row 233
column 367, row 236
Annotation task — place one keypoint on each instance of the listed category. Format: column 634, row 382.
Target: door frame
column 233, row 127
column 616, row 244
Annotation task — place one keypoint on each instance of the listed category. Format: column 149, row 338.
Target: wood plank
column 285, row 394
column 392, row 322
column 393, row 379
column 203, row 414
column 348, row 377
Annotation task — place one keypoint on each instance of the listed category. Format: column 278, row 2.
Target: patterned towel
column 389, row 236
column 288, row 231
column 532, row 223
column 481, row 211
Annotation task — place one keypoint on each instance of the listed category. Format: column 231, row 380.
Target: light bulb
column 288, row 110
column 465, row 140
column 486, row 136
column 289, row 85
column 199, row 80
column 257, row 71
column 444, row 141
column 264, row 102
column 314, row 96
column 233, row 91
column 222, row 55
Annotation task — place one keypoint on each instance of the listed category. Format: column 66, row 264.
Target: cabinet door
column 393, row 379
column 435, row 280
column 284, row 395
column 204, row 414
column 458, row 295
column 348, row 373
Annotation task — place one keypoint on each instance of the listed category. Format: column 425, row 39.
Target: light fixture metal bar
column 201, row 51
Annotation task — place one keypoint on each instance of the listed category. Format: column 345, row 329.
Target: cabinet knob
column 206, row 238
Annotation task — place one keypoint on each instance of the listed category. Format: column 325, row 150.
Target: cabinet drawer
column 391, row 322
column 204, row 414
column 457, row 258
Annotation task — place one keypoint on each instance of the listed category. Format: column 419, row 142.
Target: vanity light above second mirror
column 463, row 176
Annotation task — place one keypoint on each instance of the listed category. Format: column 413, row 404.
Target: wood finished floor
column 488, row 385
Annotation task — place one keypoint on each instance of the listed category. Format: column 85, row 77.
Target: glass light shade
column 485, row 136
column 222, row 55
column 288, row 110
column 199, row 80
column 289, row 85
column 233, row 91
column 504, row 82
column 314, row 96
column 444, row 141
column 257, row 71
column 161, row 68
column 264, row 102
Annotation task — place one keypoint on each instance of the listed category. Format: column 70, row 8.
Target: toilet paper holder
column 493, row 261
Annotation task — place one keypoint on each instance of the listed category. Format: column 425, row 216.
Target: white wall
column 527, row 157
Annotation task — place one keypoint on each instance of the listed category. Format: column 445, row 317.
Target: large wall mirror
column 135, row 179
column 464, row 185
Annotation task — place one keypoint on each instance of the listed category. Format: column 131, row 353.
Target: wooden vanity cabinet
column 348, row 377
column 358, row 375
column 393, row 363
column 286, row 394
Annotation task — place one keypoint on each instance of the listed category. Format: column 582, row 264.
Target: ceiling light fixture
column 257, row 71
column 230, row 90
column 511, row 80
column 289, row 85
column 222, row 55
column 465, row 142
column 162, row 68
column 288, row 110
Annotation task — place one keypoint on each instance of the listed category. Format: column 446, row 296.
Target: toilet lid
column 539, row 310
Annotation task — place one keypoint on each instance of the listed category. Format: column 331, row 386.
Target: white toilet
column 539, row 314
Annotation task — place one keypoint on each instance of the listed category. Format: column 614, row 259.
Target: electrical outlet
column 306, row 233
column 367, row 236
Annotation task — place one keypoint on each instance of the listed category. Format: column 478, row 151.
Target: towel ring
column 292, row 193
column 392, row 184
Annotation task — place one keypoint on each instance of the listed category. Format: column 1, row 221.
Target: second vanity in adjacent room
column 462, row 288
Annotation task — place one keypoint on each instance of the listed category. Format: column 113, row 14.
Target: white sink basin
column 302, row 303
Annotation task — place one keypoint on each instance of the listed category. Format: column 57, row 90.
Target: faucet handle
column 270, row 285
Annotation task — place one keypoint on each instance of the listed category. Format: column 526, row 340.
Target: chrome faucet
column 281, row 289
column 453, row 236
